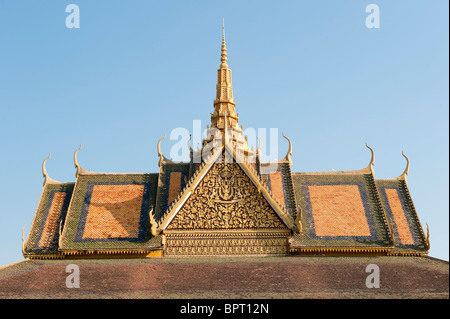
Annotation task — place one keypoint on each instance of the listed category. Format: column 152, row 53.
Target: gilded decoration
column 226, row 199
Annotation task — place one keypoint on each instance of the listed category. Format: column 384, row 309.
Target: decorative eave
column 177, row 204
column 425, row 237
column 100, row 253
column 323, row 249
column 109, row 251
column 364, row 171
column 47, row 182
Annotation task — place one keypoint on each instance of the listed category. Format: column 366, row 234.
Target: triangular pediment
column 225, row 193
column 226, row 198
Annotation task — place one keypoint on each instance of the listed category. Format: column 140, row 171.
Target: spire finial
column 224, row 48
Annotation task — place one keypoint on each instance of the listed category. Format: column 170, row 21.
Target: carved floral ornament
column 226, row 199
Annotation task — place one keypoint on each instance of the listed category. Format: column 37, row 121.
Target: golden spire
column 224, row 58
column 224, row 104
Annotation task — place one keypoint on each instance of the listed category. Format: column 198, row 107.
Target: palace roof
column 241, row 206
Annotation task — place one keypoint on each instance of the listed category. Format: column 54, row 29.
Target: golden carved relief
column 180, row 244
column 201, row 250
column 226, row 199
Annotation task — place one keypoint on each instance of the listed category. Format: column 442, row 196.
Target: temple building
column 225, row 202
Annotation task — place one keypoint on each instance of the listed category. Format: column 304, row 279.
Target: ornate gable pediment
column 226, row 198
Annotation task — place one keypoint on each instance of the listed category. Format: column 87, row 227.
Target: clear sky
column 135, row 70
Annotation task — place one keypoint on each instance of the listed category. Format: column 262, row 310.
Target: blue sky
column 135, row 70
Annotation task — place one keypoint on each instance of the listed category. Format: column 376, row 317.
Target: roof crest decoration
column 160, row 154
column 77, row 165
column 289, row 152
column 406, row 171
column 47, row 178
column 372, row 159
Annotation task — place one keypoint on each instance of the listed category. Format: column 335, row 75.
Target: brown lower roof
column 274, row 277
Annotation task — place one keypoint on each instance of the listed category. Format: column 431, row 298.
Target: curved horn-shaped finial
column 44, row 170
column 289, row 152
column 161, row 156
column 153, row 224
column 75, row 160
column 372, row 159
column 427, row 239
column 406, row 171
column 47, row 179
column 258, row 150
column 23, row 240
column 189, row 144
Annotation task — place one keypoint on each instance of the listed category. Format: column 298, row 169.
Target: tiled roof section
column 279, row 181
column 340, row 210
column 172, row 179
column 44, row 233
column 406, row 226
column 111, row 211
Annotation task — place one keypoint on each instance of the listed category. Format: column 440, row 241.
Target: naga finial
column 47, row 179
column 372, row 159
column 153, row 224
column 189, row 144
column 75, row 159
column 258, row 150
column 406, row 171
column 23, row 240
column 44, row 170
column 427, row 239
column 289, row 152
column 161, row 156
